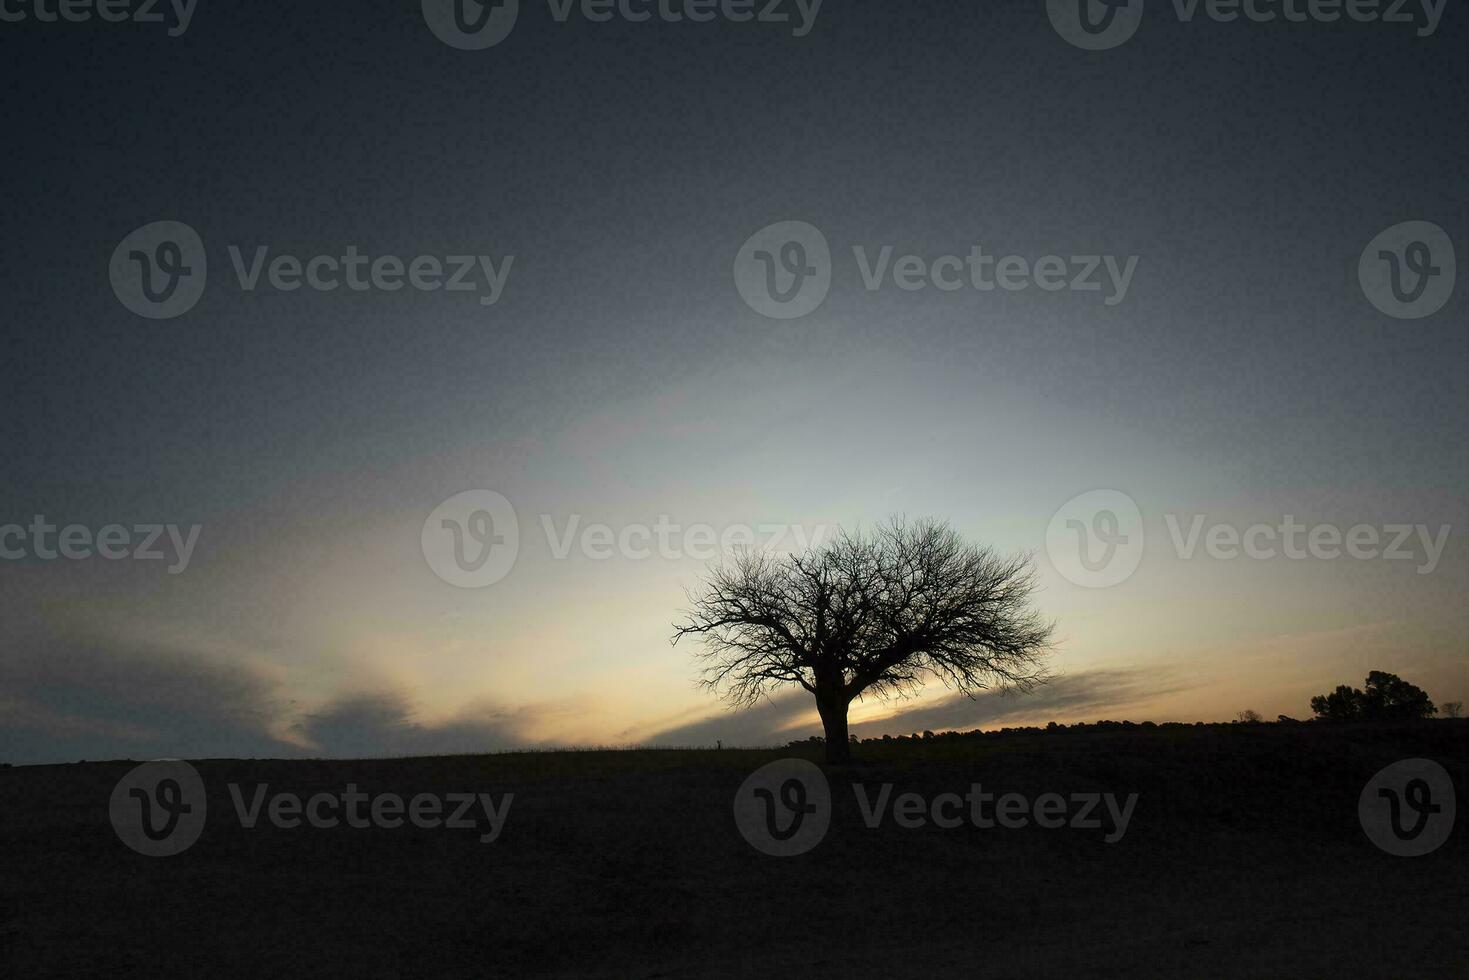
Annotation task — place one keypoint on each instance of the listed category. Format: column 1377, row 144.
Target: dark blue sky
column 623, row 165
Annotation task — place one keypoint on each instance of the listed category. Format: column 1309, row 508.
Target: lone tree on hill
column 869, row 615
column 1387, row 698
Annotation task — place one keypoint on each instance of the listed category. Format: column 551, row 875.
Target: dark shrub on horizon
column 1387, row 698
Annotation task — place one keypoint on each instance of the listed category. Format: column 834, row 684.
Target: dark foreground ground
column 1244, row 858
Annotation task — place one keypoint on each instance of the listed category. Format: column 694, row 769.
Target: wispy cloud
column 77, row 699
column 771, row 722
column 69, row 700
column 386, row 724
column 792, row 715
column 1064, row 698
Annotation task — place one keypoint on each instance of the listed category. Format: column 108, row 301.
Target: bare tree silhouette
column 869, row 615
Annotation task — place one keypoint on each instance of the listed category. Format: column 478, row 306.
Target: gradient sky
column 1245, row 377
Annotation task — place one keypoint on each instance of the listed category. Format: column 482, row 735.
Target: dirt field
column 1243, row 857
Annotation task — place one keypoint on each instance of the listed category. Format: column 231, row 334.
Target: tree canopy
column 869, row 614
column 1387, row 697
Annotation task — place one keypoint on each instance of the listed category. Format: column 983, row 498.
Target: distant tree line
column 1386, row 697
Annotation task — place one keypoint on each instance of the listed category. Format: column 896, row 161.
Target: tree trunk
column 833, row 711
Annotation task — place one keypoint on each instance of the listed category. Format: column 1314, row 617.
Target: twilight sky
column 1244, row 377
